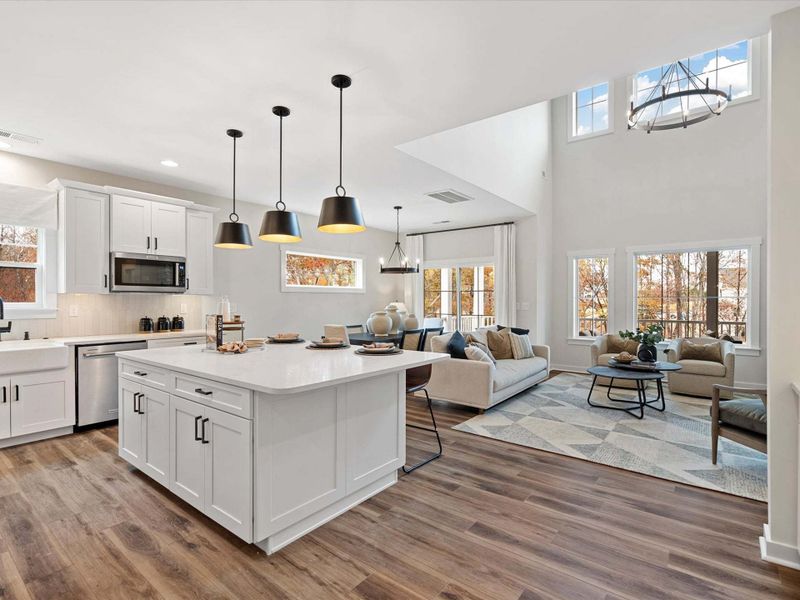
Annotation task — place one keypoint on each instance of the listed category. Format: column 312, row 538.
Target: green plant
column 649, row 337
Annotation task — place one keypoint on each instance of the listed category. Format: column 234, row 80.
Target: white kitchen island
column 272, row 443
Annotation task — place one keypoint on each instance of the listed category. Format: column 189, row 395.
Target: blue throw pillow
column 517, row 330
column 457, row 346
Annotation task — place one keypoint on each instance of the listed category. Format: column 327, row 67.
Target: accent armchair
column 607, row 346
column 743, row 420
column 697, row 377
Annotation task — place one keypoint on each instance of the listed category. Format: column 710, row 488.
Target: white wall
column 627, row 188
column 781, row 541
column 250, row 278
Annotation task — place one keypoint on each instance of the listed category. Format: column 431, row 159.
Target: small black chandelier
column 678, row 76
column 402, row 267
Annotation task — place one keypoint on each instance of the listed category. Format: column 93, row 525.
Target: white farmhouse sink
column 24, row 356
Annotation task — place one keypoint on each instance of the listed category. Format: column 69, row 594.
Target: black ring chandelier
column 402, row 267
column 646, row 118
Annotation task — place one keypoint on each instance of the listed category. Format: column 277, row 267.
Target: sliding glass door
column 461, row 296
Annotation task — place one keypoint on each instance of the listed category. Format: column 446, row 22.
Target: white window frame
column 46, row 303
column 754, row 73
column 753, row 246
column 484, row 261
column 572, row 101
column 572, row 288
column 359, row 288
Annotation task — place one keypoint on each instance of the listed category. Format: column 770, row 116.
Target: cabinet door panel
column 5, row 408
column 86, row 245
column 186, row 468
column 199, row 252
column 130, row 225
column 169, row 229
column 130, row 423
column 229, row 472
column 155, row 437
column 40, row 402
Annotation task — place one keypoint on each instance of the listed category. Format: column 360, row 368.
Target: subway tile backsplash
column 112, row 313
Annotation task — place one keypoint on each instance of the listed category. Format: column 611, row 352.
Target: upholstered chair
column 337, row 331
column 412, row 339
column 743, row 420
column 606, row 347
column 697, row 377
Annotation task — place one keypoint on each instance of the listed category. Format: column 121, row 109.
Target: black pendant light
column 340, row 213
column 402, row 267
column 280, row 225
column 232, row 234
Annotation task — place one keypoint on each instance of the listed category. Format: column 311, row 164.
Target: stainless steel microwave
column 147, row 273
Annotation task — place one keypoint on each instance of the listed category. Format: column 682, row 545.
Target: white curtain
column 414, row 248
column 29, row 207
column 505, row 274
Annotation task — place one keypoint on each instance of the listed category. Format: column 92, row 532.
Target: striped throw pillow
column 520, row 346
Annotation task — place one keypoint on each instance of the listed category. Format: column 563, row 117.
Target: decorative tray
column 390, row 352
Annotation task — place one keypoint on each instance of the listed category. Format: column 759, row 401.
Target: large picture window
column 310, row 271
column 21, row 265
column 462, row 296
column 693, row 293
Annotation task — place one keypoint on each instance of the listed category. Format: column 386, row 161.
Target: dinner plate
column 378, row 350
column 273, row 340
column 366, row 352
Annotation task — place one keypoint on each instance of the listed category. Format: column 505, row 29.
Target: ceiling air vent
column 450, row 196
column 5, row 134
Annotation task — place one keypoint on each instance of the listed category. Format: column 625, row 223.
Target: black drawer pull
column 4, row 395
column 203, row 392
column 197, row 438
column 16, row 393
column 203, row 430
column 140, row 373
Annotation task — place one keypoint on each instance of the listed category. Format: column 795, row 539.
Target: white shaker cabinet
column 39, row 402
column 144, row 429
column 187, row 465
column 199, row 252
column 147, row 227
column 83, row 242
column 168, row 229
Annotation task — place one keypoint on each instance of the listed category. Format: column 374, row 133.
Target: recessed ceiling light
column 4, row 145
column 169, row 163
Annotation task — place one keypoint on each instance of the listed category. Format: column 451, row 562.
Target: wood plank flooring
column 489, row 520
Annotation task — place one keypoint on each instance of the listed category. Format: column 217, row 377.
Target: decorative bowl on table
column 625, row 358
column 232, row 348
column 378, row 348
column 329, row 342
column 285, row 338
column 255, row 342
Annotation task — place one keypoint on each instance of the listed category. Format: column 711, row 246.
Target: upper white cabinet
column 199, row 252
column 83, row 242
column 147, row 227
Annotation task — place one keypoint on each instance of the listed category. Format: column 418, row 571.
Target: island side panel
column 319, row 453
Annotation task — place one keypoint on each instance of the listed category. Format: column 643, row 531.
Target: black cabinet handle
column 140, row 373
column 105, row 281
column 191, row 344
column 4, row 395
column 202, row 391
column 16, row 393
column 197, row 438
column 156, row 243
column 135, row 398
column 148, row 242
column 141, row 397
column 187, row 284
column 203, row 430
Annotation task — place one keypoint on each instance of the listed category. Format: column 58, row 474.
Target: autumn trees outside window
column 20, row 264
column 306, row 271
column 591, row 275
column 462, row 296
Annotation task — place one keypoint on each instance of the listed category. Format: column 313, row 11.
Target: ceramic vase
column 647, row 353
column 379, row 323
column 394, row 315
column 411, row 322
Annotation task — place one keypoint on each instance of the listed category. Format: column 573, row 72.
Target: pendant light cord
column 340, row 186
column 233, row 214
column 397, row 230
column 280, row 205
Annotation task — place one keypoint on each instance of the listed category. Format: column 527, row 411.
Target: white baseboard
column 569, row 368
column 36, row 437
column 775, row 552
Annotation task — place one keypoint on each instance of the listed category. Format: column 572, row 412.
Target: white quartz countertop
column 125, row 337
column 280, row 368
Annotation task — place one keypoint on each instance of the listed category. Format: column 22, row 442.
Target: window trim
column 753, row 245
column 572, row 100
column 456, row 263
column 572, row 281
column 46, row 305
column 361, row 276
column 754, row 72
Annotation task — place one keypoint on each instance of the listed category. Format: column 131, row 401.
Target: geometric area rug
column 676, row 444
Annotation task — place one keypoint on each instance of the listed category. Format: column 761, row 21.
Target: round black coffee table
column 640, row 378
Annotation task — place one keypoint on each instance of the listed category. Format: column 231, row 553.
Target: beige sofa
column 606, row 347
column 482, row 384
column 697, row 377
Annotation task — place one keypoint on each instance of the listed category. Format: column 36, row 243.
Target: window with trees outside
column 591, row 295
column 307, row 271
column 462, row 296
column 695, row 293
column 21, row 264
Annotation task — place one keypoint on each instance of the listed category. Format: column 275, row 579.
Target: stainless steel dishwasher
column 97, row 381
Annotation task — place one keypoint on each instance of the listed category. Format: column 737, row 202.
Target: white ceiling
column 119, row 86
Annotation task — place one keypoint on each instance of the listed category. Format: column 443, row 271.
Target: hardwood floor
column 488, row 520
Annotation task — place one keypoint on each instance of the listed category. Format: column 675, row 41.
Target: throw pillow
column 520, row 346
column 517, row 330
column 475, row 353
column 483, row 347
column 480, row 342
column 711, row 352
column 500, row 344
column 616, row 344
column 457, row 345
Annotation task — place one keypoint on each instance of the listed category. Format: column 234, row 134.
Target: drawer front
column 176, row 342
column 146, row 374
column 227, row 398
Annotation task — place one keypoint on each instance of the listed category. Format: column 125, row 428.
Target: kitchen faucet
column 7, row 328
